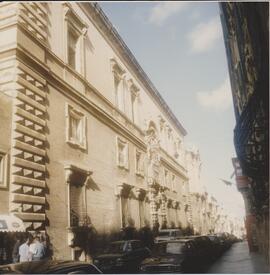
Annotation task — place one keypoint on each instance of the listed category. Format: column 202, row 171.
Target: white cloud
column 161, row 11
column 218, row 99
column 204, row 36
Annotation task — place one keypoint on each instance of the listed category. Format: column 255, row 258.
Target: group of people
column 29, row 248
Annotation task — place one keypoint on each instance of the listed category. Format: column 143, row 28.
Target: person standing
column 15, row 251
column 37, row 249
column 24, row 252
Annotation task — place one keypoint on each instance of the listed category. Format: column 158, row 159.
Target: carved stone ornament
column 76, row 175
column 123, row 189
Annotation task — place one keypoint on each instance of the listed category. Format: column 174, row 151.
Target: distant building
column 246, row 35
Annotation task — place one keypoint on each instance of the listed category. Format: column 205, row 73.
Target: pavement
column 238, row 259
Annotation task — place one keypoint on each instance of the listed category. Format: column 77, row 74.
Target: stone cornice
column 88, row 105
column 79, row 76
column 93, row 10
column 173, row 168
column 175, row 163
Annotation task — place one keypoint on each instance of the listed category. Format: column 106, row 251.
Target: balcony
column 242, row 182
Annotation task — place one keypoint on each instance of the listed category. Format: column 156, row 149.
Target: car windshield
column 169, row 248
column 118, row 247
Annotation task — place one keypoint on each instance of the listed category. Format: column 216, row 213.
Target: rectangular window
column 134, row 94
column 72, row 48
column 139, row 162
column 166, row 178
column 3, row 170
column 117, row 91
column 133, row 107
column 173, row 183
column 120, row 85
column 122, row 153
column 75, row 31
column 76, row 124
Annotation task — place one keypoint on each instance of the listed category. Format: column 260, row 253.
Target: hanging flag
column 227, row 182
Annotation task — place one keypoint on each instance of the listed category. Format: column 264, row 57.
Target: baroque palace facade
column 84, row 133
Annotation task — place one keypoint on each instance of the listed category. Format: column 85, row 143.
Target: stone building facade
column 246, row 36
column 84, row 131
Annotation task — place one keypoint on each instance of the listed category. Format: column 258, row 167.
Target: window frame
column 78, row 115
column 166, row 178
column 74, row 23
column 173, row 183
column 126, row 153
column 4, row 170
column 137, row 171
column 118, row 74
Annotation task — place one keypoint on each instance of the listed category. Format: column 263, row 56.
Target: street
column 238, row 260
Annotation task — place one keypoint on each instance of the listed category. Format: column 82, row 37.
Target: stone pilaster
column 28, row 148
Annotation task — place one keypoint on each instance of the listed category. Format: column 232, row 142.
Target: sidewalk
column 238, row 260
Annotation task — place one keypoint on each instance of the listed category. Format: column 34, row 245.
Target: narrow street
column 238, row 260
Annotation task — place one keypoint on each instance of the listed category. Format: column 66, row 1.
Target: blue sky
column 180, row 46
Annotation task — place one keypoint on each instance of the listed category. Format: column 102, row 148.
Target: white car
column 168, row 234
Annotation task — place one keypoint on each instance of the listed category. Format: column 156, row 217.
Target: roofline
column 116, row 38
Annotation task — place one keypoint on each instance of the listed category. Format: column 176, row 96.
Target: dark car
column 122, row 257
column 217, row 245
column 176, row 256
column 50, row 267
column 204, row 249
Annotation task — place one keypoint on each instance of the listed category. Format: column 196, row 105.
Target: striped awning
column 11, row 223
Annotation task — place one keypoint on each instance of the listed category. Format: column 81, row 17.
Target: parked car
column 217, row 245
column 122, row 257
column 225, row 241
column 50, row 267
column 204, row 249
column 177, row 256
column 168, row 234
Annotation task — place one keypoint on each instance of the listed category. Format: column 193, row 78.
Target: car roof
column 125, row 241
column 175, row 241
column 48, row 266
column 168, row 230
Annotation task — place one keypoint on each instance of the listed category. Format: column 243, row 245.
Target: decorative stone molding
column 75, row 174
column 123, row 190
column 117, row 69
column 140, row 193
column 175, row 204
column 169, row 202
column 133, row 88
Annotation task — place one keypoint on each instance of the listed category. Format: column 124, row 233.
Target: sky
column 180, row 47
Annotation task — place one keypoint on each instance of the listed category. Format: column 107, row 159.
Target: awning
column 11, row 223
